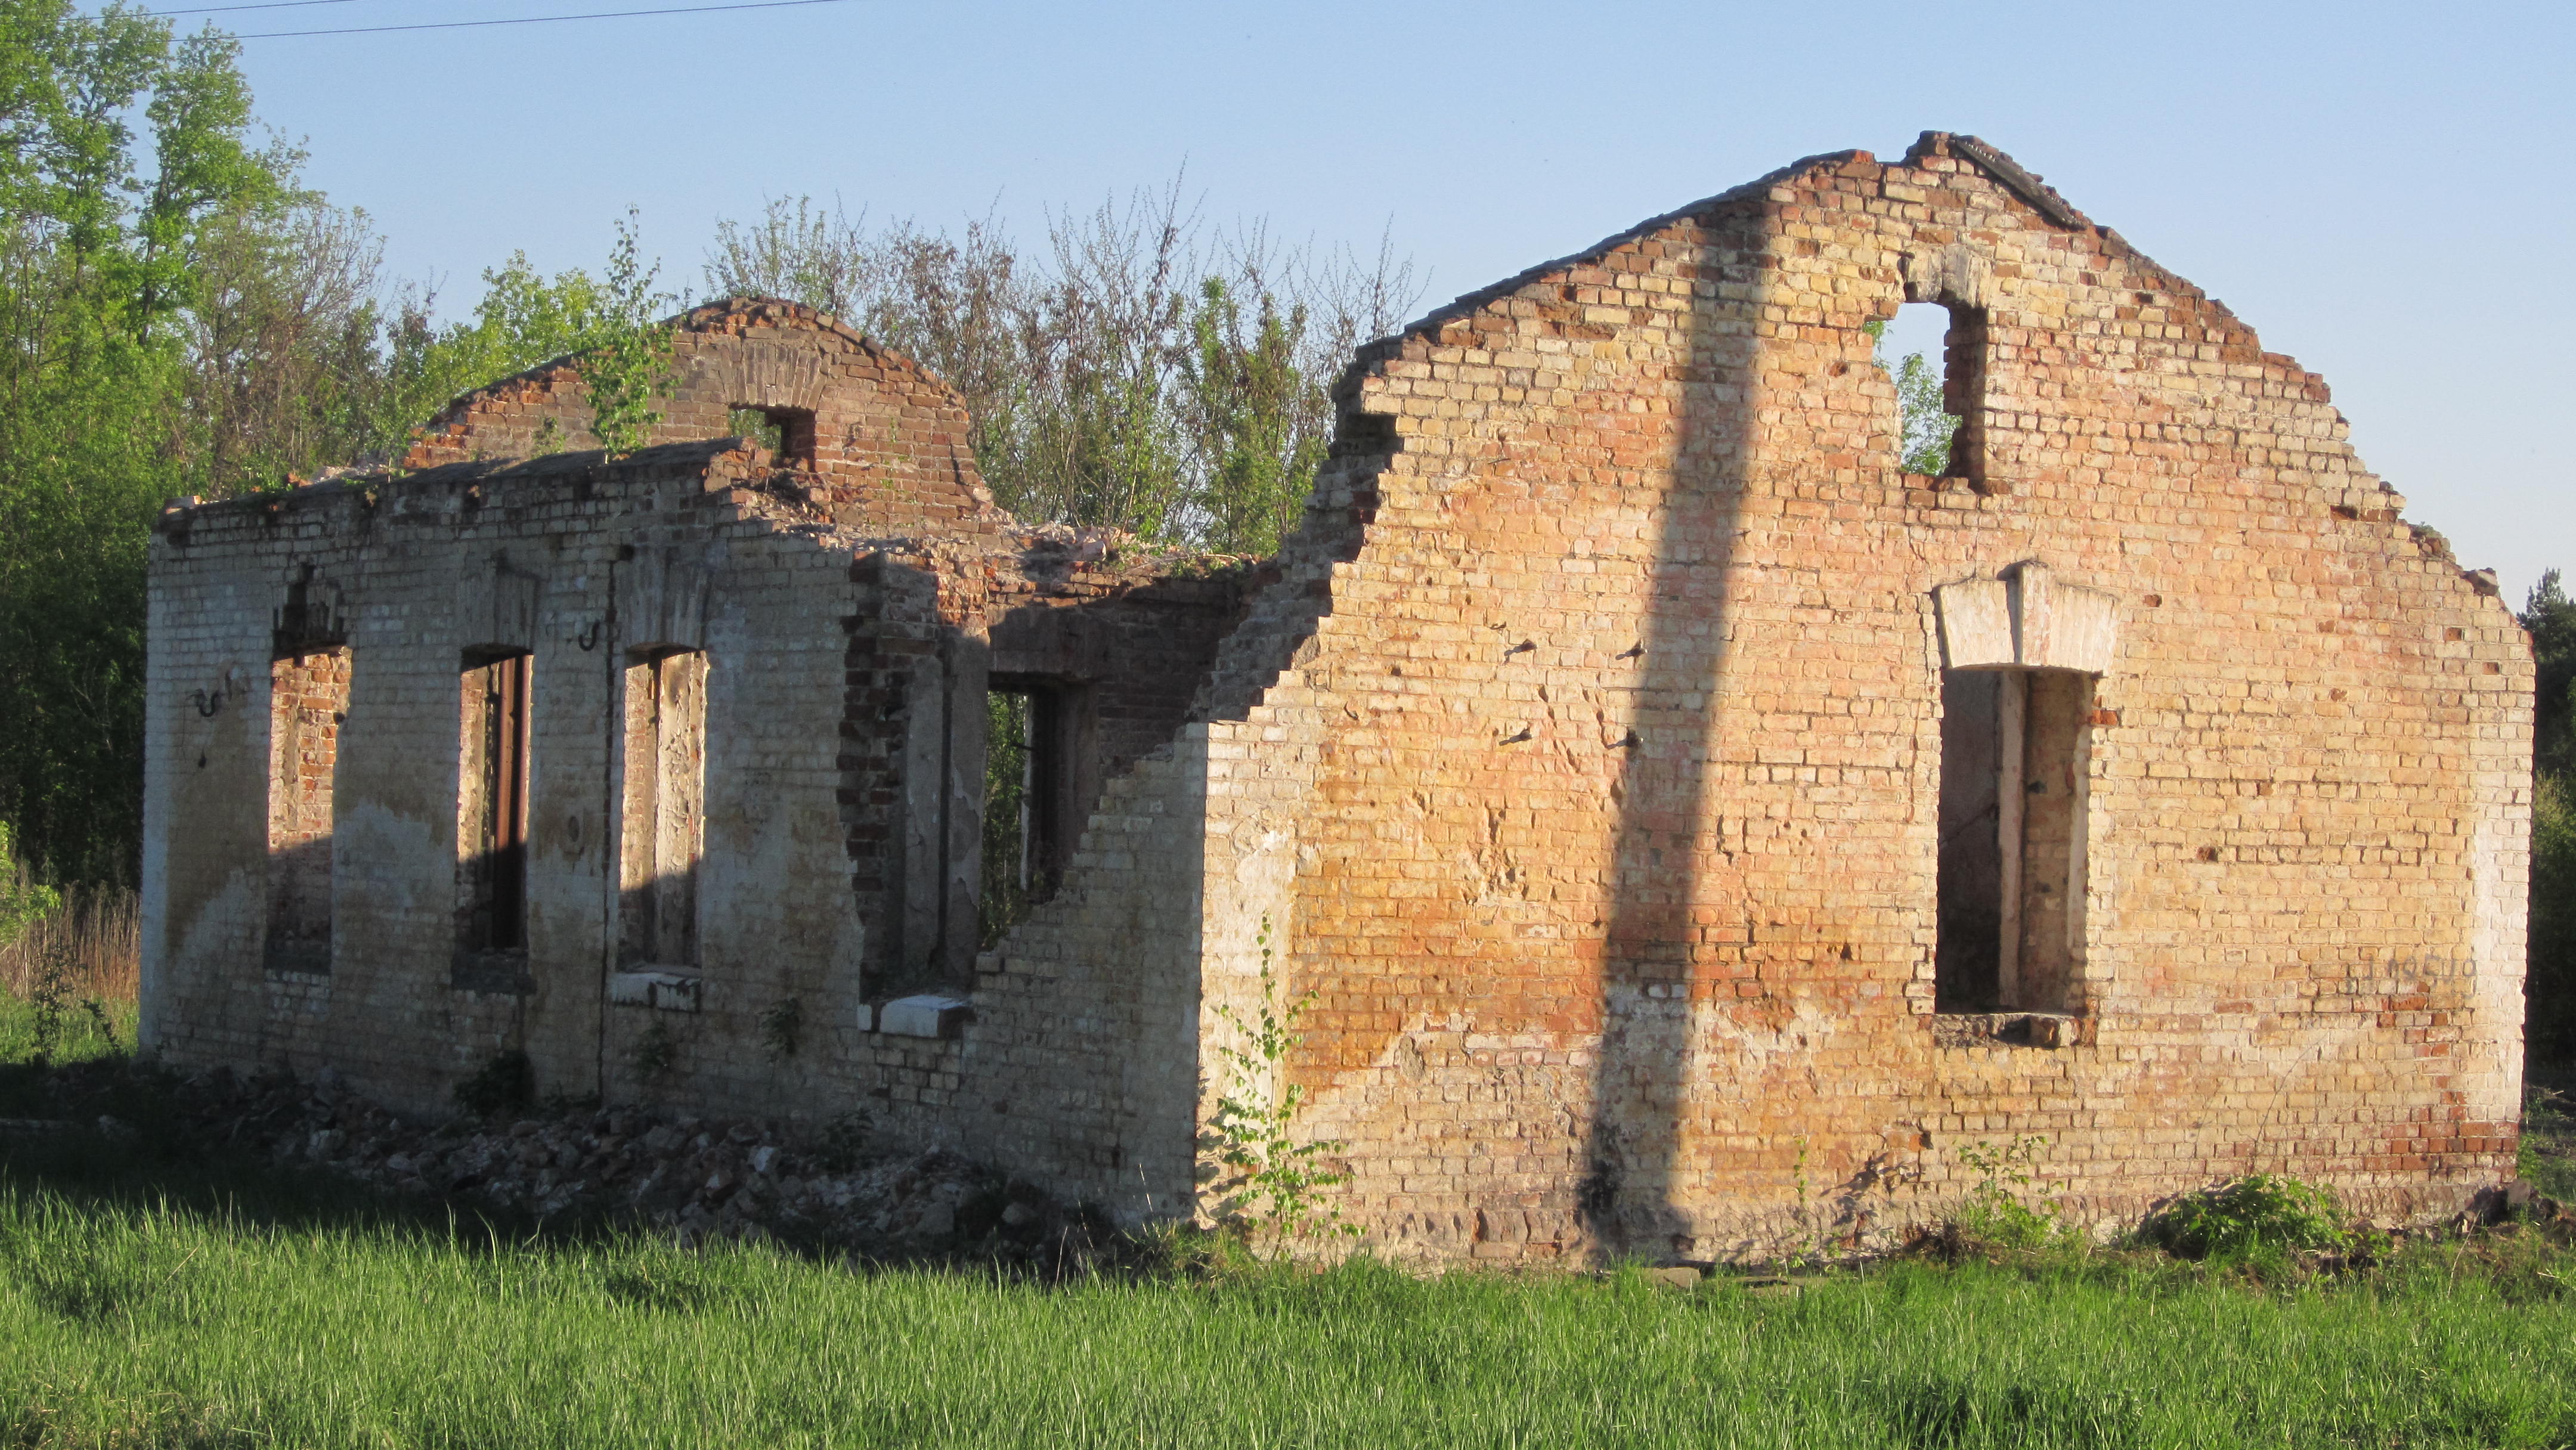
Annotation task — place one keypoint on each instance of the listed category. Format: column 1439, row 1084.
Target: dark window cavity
column 492, row 812
column 308, row 696
column 2014, row 746
column 1029, row 798
column 662, row 826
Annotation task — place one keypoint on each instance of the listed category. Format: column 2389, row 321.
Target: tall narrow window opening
column 1934, row 353
column 492, row 811
column 1963, row 392
column 2014, row 766
column 1028, row 785
column 308, row 700
column 662, row 828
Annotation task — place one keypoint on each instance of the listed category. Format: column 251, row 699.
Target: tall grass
column 68, row 981
column 145, row 1324
column 95, row 937
column 155, row 1291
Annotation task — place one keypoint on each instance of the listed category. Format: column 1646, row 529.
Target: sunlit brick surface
column 1580, row 755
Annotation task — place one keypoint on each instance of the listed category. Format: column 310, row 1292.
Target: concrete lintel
column 2027, row 620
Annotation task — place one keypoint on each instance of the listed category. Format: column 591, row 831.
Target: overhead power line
column 264, row 5
column 543, row 19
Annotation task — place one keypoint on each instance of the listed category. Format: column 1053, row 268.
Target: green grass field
column 130, row 1325
column 155, row 1295
column 80, row 1036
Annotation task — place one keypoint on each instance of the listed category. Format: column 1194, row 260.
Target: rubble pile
column 700, row 1179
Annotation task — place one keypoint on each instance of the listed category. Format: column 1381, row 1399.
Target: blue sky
column 2379, row 189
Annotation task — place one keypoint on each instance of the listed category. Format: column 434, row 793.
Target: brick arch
column 890, row 448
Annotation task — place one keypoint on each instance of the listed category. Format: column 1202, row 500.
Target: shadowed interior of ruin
column 2014, row 755
column 492, row 819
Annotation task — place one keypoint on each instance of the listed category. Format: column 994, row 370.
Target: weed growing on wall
column 631, row 365
column 656, row 1051
column 782, row 1026
column 1264, row 1181
column 1995, row 1212
column 2249, row 1217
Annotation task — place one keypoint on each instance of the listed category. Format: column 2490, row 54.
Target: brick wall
column 1615, row 876
column 818, row 636
column 890, row 453
column 1581, row 754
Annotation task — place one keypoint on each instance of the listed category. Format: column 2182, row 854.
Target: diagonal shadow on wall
column 1665, row 909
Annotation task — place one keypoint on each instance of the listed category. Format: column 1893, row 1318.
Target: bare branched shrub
column 1139, row 370
column 284, row 364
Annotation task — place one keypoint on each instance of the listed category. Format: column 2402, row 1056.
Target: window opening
column 662, row 828
column 1027, row 785
column 2014, row 765
column 308, row 696
column 788, row 433
column 492, row 805
column 1934, row 354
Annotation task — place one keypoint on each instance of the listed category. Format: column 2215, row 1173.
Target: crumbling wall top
column 886, row 441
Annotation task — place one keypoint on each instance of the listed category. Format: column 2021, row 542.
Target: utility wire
column 266, row 5
column 540, row 19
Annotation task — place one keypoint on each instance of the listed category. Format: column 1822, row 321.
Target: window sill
column 929, row 1014
column 504, row 973
column 663, row 989
column 304, row 965
column 2010, row 1029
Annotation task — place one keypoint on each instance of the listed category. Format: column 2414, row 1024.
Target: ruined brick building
column 1694, row 829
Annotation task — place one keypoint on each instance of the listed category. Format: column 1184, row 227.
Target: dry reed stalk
column 98, row 931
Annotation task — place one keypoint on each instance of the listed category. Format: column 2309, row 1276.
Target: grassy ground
column 80, row 1033
column 138, row 1324
column 152, row 1293
column 2548, row 1156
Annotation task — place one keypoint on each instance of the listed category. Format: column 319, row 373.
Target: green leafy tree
column 1134, row 372
column 2551, row 983
column 24, row 901
column 97, row 273
column 2551, row 618
column 526, row 318
column 1259, row 438
column 1926, row 426
column 1004, row 901
column 628, row 361
column 178, row 315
